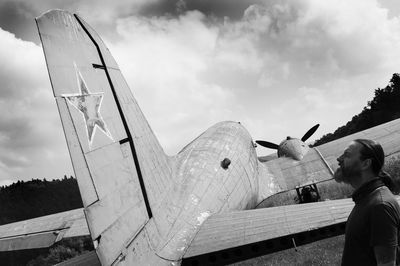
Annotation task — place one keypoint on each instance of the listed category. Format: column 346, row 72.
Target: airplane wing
column 387, row 134
column 320, row 162
column 230, row 237
column 43, row 231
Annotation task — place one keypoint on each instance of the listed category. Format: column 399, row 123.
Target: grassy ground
column 325, row 252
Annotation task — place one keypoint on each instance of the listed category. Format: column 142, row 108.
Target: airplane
column 142, row 207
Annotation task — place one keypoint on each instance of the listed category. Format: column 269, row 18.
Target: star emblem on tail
column 89, row 105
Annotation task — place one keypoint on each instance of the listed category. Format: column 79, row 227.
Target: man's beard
column 346, row 174
column 338, row 175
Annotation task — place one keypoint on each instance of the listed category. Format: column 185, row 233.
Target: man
column 372, row 227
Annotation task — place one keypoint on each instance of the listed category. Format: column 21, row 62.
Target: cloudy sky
column 278, row 67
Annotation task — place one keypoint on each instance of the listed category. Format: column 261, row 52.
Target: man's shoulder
column 382, row 196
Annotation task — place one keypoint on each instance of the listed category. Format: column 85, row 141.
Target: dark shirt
column 373, row 221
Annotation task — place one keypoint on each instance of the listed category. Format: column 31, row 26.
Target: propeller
column 309, row 133
column 267, row 144
column 274, row 146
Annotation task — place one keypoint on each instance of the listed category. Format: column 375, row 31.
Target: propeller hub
column 291, row 147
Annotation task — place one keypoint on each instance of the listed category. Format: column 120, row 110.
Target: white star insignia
column 89, row 105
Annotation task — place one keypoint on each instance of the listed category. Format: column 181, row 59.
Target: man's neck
column 364, row 178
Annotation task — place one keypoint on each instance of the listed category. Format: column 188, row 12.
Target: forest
column 384, row 107
column 35, row 198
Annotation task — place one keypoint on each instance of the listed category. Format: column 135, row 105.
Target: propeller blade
column 267, row 144
column 310, row 132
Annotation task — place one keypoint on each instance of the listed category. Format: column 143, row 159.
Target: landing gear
column 308, row 193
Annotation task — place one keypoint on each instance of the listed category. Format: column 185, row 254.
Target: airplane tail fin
column 122, row 170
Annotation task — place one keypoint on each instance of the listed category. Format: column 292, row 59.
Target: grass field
column 325, row 252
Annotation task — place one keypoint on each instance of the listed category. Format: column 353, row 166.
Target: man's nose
column 339, row 159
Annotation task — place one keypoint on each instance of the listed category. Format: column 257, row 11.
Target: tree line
column 384, row 107
column 35, row 198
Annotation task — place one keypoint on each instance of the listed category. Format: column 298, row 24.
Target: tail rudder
column 121, row 168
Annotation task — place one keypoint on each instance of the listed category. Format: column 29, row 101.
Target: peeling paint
column 202, row 217
column 89, row 105
column 195, row 200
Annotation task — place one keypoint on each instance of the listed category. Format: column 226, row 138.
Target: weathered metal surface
column 95, row 132
column 290, row 173
column 43, row 231
column 88, row 104
column 203, row 187
column 227, row 230
column 37, row 240
column 238, row 236
column 87, row 189
column 293, row 148
column 154, row 164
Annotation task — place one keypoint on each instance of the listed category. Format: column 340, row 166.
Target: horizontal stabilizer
column 43, row 231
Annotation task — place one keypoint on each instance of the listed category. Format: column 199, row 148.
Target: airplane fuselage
column 202, row 186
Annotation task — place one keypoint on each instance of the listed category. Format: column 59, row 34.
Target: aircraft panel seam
column 80, row 146
column 124, row 121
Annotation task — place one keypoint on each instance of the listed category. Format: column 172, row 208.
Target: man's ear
column 367, row 163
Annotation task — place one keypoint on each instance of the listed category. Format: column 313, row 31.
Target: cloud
column 14, row 55
column 29, row 123
column 163, row 59
column 283, row 64
column 18, row 16
column 279, row 67
column 232, row 9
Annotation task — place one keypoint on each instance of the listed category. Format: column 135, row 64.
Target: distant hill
column 384, row 107
column 35, row 198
